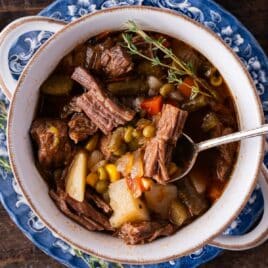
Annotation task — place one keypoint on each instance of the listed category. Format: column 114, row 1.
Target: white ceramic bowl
column 203, row 229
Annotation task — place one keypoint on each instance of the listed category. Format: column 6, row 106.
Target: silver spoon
column 193, row 149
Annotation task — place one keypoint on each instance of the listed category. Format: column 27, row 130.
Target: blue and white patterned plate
column 204, row 11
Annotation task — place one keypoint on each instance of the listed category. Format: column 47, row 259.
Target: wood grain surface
column 18, row 252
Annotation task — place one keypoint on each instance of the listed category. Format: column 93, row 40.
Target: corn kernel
column 92, row 179
column 112, row 171
column 92, row 143
column 146, row 184
column 102, row 174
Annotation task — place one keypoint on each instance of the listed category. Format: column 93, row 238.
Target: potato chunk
column 76, row 177
column 159, row 198
column 126, row 208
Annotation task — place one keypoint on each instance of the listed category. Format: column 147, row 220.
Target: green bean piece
column 128, row 87
column 146, row 68
column 195, row 104
column 178, row 213
column 57, row 85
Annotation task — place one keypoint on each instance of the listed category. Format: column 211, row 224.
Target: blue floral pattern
column 204, row 11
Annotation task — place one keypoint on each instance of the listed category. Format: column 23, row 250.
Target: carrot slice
column 152, row 105
column 186, row 86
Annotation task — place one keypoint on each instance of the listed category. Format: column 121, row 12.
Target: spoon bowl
column 188, row 150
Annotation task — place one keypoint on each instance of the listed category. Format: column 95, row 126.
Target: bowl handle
column 255, row 237
column 8, row 37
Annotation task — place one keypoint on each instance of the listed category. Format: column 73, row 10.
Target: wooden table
column 17, row 251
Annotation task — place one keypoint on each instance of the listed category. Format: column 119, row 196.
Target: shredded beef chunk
column 98, row 201
column 110, row 58
column 80, row 127
column 143, row 232
column 85, row 213
column 104, row 112
column 158, row 152
column 54, row 147
column 226, row 157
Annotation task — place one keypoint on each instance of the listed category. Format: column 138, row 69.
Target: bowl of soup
column 95, row 134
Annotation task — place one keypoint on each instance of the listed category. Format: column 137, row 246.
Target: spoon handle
column 204, row 145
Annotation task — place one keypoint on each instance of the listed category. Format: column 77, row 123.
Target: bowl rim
column 11, row 115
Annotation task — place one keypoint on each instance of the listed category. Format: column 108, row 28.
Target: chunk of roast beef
column 158, row 151
column 143, row 232
column 54, row 146
column 226, row 157
column 110, row 58
column 87, row 210
column 70, row 109
column 84, row 213
column 81, row 127
column 104, row 112
column 98, row 201
column 59, row 198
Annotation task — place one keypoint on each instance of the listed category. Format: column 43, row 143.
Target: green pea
column 149, row 131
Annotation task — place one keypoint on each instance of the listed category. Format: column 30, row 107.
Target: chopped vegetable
column 210, row 121
column 116, row 144
column 92, row 179
column 159, row 198
column 120, row 151
column 112, row 171
column 76, row 177
column 57, row 84
column 166, row 89
column 195, row 104
column 92, row 143
column 152, row 105
column 102, row 173
column 146, row 68
column 95, row 157
column 178, row 213
column 195, row 202
column 102, row 186
column 215, row 78
column 124, row 164
column 136, row 133
column 55, row 133
column 126, row 208
column 199, row 180
column 137, row 167
column 137, row 186
column 128, row 134
column 149, row 131
column 128, row 87
column 154, row 85
column 186, row 86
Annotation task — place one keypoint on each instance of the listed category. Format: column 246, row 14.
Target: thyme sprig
column 175, row 71
column 5, row 164
column 94, row 262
